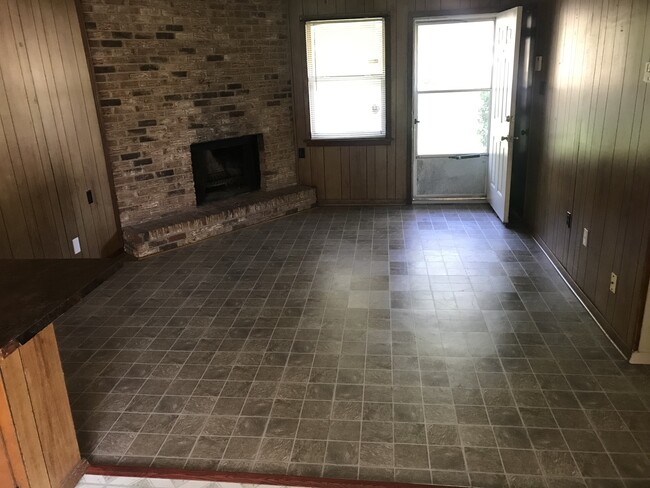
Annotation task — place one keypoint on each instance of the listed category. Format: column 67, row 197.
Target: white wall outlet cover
column 612, row 282
column 76, row 245
column 538, row 63
column 646, row 73
column 585, row 237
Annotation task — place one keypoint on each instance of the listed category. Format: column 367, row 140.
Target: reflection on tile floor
column 94, row 481
column 417, row 344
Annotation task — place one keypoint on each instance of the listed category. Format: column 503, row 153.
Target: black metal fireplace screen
column 226, row 167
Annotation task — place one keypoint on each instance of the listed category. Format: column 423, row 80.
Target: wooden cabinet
column 38, row 445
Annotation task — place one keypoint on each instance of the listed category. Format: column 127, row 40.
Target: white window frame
column 378, row 137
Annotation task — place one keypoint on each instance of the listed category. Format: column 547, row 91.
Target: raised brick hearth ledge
column 215, row 218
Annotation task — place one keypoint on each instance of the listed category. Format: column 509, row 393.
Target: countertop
column 34, row 292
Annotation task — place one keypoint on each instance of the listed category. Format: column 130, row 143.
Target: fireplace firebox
column 226, row 167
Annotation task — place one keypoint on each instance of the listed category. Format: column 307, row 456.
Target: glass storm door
column 452, row 95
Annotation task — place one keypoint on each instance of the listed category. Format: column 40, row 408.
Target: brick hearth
column 215, row 218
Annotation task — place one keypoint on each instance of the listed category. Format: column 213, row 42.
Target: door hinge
column 569, row 219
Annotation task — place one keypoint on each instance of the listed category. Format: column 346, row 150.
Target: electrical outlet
column 646, row 73
column 612, row 282
column 585, row 237
column 76, row 245
column 538, row 63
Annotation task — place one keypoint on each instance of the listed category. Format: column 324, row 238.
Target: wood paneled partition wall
column 593, row 156
column 51, row 151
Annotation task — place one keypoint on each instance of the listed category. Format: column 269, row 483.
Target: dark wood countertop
column 34, row 292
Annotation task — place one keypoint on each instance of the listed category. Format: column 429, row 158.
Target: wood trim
column 10, row 441
column 75, row 475
column 24, row 424
column 384, row 141
column 50, row 404
column 245, row 478
column 591, row 308
column 6, row 472
column 345, row 16
column 361, row 202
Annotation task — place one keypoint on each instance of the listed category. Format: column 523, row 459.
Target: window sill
column 382, row 141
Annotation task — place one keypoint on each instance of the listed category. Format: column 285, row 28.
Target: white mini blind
column 346, row 68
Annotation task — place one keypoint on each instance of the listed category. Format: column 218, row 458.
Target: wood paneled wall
column 593, row 155
column 372, row 173
column 51, row 150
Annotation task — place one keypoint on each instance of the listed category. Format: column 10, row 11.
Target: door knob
column 509, row 138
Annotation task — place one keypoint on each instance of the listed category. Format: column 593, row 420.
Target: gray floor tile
column 421, row 344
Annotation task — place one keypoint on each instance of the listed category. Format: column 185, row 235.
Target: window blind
column 346, row 69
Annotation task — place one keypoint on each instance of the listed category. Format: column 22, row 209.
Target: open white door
column 504, row 92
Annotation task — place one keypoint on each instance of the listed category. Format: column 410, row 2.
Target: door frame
column 436, row 16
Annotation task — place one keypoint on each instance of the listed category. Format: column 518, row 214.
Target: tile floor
column 416, row 344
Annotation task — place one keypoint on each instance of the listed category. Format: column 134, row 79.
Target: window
column 346, row 66
column 453, row 80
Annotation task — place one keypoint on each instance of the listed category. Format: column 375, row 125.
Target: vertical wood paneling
column 45, row 185
column 594, row 125
column 50, row 405
column 332, row 170
column 318, row 171
column 626, row 307
column 51, row 148
column 6, row 473
column 20, row 414
column 345, row 173
column 380, row 173
column 10, row 441
column 358, row 173
column 371, row 174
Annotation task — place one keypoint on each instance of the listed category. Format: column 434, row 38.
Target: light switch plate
column 538, row 63
column 585, row 237
column 76, row 245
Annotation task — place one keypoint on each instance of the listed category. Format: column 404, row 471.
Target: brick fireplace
column 175, row 74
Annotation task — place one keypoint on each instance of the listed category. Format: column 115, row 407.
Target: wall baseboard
column 600, row 320
column 640, row 358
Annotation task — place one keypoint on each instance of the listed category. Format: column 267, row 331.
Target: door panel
column 504, row 81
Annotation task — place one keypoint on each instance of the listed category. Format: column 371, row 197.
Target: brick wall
column 174, row 72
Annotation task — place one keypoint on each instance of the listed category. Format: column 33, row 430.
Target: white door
column 504, row 92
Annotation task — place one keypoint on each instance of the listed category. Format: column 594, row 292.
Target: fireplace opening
column 226, row 167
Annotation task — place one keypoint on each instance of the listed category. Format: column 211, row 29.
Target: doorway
column 464, row 75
